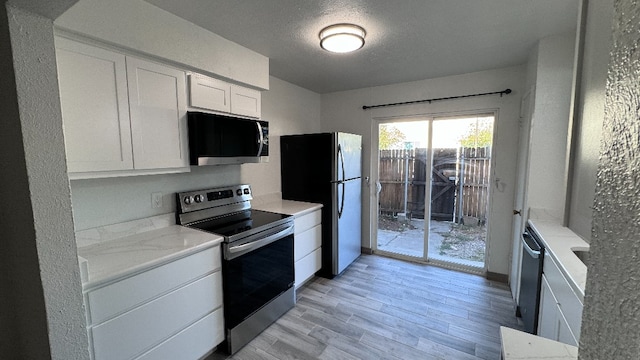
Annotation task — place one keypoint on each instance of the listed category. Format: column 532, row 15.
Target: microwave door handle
column 260, row 138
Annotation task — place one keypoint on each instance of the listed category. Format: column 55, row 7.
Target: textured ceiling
column 406, row 39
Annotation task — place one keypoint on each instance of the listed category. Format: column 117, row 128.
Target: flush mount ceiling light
column 342, row 38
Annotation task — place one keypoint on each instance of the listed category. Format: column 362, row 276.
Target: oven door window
column 255, row 278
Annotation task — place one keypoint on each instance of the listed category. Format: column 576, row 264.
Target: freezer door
column 347, row 242
column 349, row 156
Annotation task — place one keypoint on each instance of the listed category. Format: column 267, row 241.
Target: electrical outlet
column 156, row 200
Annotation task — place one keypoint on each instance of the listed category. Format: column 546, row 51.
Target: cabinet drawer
column 123, row 295
column 306, row 222
column 306, row 242
column 191, row 343
column 307, row 266
column 138, row 330
column 568, row 301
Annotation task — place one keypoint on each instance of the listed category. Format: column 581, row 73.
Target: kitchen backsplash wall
column 97, row 202
column 289, row 109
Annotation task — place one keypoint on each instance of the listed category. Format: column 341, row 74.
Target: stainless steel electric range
column 257, row 257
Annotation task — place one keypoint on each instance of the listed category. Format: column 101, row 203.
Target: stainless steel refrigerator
column 326, row 168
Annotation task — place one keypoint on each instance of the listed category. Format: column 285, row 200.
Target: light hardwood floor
column 382, row 308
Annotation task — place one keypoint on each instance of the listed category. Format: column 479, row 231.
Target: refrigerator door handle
column 344, row 173
column 341, row 181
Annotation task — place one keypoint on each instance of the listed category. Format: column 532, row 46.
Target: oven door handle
column 235, row 251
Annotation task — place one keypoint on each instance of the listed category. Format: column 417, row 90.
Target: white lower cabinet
column 548, row 316
column 560, row 309
column 192, row 342
column 307, row 246
column 172, row 309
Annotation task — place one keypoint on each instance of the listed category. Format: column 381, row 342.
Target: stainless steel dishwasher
column 530, row 280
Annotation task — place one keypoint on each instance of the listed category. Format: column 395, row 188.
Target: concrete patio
column 411, row 241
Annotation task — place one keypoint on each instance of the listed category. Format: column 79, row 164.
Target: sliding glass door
column 433, row 189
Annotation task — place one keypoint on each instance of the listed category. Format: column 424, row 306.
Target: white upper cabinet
column 158, row 106
column 245, row 101
column 216, row 95
column 121, row 115
column 209, row 93
column 95, row 109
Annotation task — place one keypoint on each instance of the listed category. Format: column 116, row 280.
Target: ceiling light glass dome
column 342, row 38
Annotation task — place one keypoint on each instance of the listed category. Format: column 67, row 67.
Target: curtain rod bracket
column 503, row 92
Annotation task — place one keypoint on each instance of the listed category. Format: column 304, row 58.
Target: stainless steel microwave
column 220, row 139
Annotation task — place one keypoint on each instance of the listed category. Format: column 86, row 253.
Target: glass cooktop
column 238, row 223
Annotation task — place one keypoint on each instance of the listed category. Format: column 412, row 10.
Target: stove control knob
column 239, row 192
column 198, row 198
column 188, row 200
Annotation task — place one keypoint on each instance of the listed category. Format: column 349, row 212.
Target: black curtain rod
column 503, row 92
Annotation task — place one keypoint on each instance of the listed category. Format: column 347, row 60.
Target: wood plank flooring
column 382, row 308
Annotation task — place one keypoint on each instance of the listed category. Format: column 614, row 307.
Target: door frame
column 373, row 195
column 520, row 199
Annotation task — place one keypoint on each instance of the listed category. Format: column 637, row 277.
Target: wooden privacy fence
column 460, row 176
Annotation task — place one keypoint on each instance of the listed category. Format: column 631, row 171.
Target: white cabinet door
column 209, row 93
column 548, row 317
column 565, row 335
column 245, row 101
column 157, row 100
column 95, row 111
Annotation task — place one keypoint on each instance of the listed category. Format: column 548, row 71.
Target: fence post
column 461, row 187
column 406, row 180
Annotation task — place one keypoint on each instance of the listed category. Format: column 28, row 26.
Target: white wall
column 97, row 202
column 590, row 115
column 342, row 111
column 289, row 109
column 41, row 285
column 546, row 186
column 142, row 27
column 611, row 314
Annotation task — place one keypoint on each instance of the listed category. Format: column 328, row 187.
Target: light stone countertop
column 117, row 257
column 560, row 242
column 288, row 207
column 519, row 345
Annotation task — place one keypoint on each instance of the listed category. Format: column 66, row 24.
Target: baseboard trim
column 366, row 251
column 503, row 278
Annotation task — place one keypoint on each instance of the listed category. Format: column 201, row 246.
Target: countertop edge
column 149, row 265
column 532, row 347
column 289, row 207
column 562, row 254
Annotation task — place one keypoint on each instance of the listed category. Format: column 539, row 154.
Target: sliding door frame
column 375, row 162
